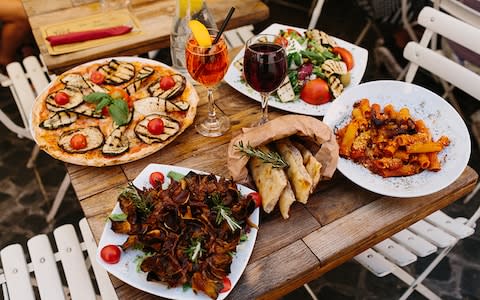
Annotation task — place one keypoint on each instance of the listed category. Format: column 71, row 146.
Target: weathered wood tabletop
column 155, row 18
column 340, row 220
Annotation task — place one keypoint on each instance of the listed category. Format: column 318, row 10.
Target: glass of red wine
column 264, row 67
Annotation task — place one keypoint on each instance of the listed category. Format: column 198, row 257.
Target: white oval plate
column 439, row 116
column 126, row 269
column 233, row 76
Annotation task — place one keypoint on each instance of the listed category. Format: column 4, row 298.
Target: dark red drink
column 265, row 66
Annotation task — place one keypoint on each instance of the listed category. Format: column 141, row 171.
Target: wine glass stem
column 264, row 118
column 212, row 114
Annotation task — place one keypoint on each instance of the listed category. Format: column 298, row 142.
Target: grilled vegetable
column 151, row 105
column 116, row 143
column 156, row 91
column 59, row 119
column 285, row 91
column 171, row 127
column 93, row 135
column 137, row 83
column 76, row 98
column 116, row 72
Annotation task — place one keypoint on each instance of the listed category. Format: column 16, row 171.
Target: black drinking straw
column 224, row 24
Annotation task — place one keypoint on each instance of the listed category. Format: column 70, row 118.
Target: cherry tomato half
column 316, row 92
column 62, row 98
column 78, row 141
column 156, row 179
column 118, row 93
column 280, row 40
column 155, row 126
column 346, row 56
column 167, row 83
column 227, row 285
column 257, row 198
column 97, row 77
column 291, row 30
column 105, row 111
column 111, row 254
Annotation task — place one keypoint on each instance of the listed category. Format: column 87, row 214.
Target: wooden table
column 339, row 221
column 155, row 18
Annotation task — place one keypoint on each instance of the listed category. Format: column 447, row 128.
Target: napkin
column 81, row 36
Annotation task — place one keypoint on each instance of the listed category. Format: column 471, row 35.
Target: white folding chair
column 239, row 36
column 25, row 82
column 437, row 231
column 18, row 277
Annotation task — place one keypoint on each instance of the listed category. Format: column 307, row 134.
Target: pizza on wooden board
column 112, row 111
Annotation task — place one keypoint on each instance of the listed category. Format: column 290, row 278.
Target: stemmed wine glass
column 207, row 66
column 265, row 68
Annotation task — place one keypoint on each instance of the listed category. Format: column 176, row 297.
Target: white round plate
column 439, row 116
column 234, row 76
column 126, row 269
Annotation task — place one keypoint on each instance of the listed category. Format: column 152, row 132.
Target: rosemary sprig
column 223, row 213
column 140, row 203
column 195, row 250
column 270, row 157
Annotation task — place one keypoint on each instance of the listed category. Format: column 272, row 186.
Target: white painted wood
column 103, row 280
column 432, row 234
column 233, row 39
column 317, row 10
column 245, row 32
column 73, row 263
column 16, row 271
column 374, row 262
column 36, row 73
column 448, row 224
column 414, row 243
column 408, row 279
column 45, row 268
column 395, row 253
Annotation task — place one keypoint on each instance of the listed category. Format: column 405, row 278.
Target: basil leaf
column 104, row 102
column 95, row 97
column 118, row 217
column 119, row 111
column 175, row 175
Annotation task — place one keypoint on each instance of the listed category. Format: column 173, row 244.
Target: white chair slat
column 450, row 225
column 73, row 263
column 432, row 234
column 395, row 253
column 245, row 32
column 414, row 243
column 25, row 95
column 443, row 67
column 451, row 28
column 36, row 73
column 374, row 262
column 104, row 284
column 45, row 268
column 233, row 39
column 16, row 272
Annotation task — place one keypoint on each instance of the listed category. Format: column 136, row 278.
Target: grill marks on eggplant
column 117, row 73
column 149, row 105
column 76, row 98
column 156, row 91
column 137, row 83
column 59, row 119
column 116, row 143
column 94, row 139
column 171, row 127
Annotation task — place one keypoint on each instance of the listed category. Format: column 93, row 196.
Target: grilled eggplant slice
column 141, row 75
column 76, row 98
column 116, row 143
column 116, row 72
column 150, row 105
column 156, row 91
column 94, row 139
column 331, row 66
column 336, row 86
column 88, row 111
column 59, row 119
column 171, row 127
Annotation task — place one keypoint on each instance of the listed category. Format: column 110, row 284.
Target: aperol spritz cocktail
column 207, row 65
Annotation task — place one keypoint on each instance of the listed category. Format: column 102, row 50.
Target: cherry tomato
column 316, row 92
column 227, row 285
column 97, row 77
column 257, row 198
column 345, row 55
column 111, row 254
column 280, row 40
column 156, row 179
column 118, row 93
column 105, row 111
column 78, row 141
column 167, row 83
column 62, row 98
column 290, row 31
column 155, row 126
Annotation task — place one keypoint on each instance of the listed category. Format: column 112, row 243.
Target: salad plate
column 439, row 116
column 234, row 76
column 127, row 268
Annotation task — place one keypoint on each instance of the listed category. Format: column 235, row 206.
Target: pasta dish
column 389, row 143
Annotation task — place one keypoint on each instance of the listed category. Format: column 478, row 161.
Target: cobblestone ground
column 23, row 208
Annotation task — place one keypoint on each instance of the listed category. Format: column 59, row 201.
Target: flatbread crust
column 48, row 139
